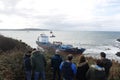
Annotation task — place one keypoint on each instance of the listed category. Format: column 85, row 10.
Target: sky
column 83, row 15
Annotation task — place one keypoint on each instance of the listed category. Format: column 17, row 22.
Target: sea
column 93, row 41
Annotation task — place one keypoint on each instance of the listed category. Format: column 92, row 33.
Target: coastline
column 12, row 63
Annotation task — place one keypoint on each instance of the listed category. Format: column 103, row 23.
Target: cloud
column 9, row 4
column 108, row 8
column 61, row 14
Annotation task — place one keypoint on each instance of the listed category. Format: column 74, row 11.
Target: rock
column 118, row 40
column 118, row 54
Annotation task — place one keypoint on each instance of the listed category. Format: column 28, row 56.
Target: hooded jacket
column 96, row 72
column 38, row 61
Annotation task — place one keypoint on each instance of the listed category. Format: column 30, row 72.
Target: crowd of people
column 65, row 69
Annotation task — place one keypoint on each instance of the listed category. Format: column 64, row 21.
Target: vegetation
column 11, row 60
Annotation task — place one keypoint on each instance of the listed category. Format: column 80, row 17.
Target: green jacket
column 38, row 61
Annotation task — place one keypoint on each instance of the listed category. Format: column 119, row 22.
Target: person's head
column 99, row 62
column 40, row 49
column 28, row 53
column 103, row 55
column 70, row 57
column 82, row 59
column 57, row 51
column 34, row 49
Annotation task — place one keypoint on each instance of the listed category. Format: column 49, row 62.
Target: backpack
column 27, row 63
column 107, row 64
column 56, row 61
column 67, row 71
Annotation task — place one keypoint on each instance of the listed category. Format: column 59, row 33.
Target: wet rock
column 118, row 40
column 118, row 54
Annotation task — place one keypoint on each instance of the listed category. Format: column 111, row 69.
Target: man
column 68, row 68
column 55, row 63
column 96, row 71
column 27, row 65
column 38, row 64
column 107, row 63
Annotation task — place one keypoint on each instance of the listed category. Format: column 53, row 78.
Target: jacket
column 56, row 61
column 107, row 64
column 38, row 61
column 68, row 70
column 82, row 70
column 96, row 72
column 27, row 63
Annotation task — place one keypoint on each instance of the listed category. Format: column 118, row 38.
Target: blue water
column 94, row 41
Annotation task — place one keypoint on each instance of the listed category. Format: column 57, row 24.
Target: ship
column 43, row 42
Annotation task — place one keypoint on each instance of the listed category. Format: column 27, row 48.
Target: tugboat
column 52, row 36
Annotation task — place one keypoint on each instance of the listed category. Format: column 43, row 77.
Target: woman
column 82, row 68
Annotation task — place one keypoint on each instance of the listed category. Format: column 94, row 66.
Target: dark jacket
column 27, row 63
column 56, row 61
column 68, row 70
column 107, row 64
column 38, row 61
column 96, row 73
column 82, row 70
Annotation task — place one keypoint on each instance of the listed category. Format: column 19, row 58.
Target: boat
column 51, row 33
column 43, row 42
column 52, row 36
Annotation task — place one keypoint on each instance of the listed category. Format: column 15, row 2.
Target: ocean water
column 94, row 41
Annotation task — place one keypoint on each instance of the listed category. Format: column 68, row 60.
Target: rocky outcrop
column 118, row 40
column 118, row 54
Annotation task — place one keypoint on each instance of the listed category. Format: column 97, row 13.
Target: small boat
column 52, row 36
column 43, row 42
column 51, row 32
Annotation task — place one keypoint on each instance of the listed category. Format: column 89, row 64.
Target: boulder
column 118, row 54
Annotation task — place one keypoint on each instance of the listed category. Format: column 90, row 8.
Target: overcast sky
column 60, row 14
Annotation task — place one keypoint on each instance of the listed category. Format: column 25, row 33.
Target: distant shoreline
column 26, row 29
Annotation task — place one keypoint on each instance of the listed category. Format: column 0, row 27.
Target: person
column 38, row 64
column 68, row 68
column 107, row 63
column 55, row 63
column 27, row 65
column 96, row 72
column 82, row 68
